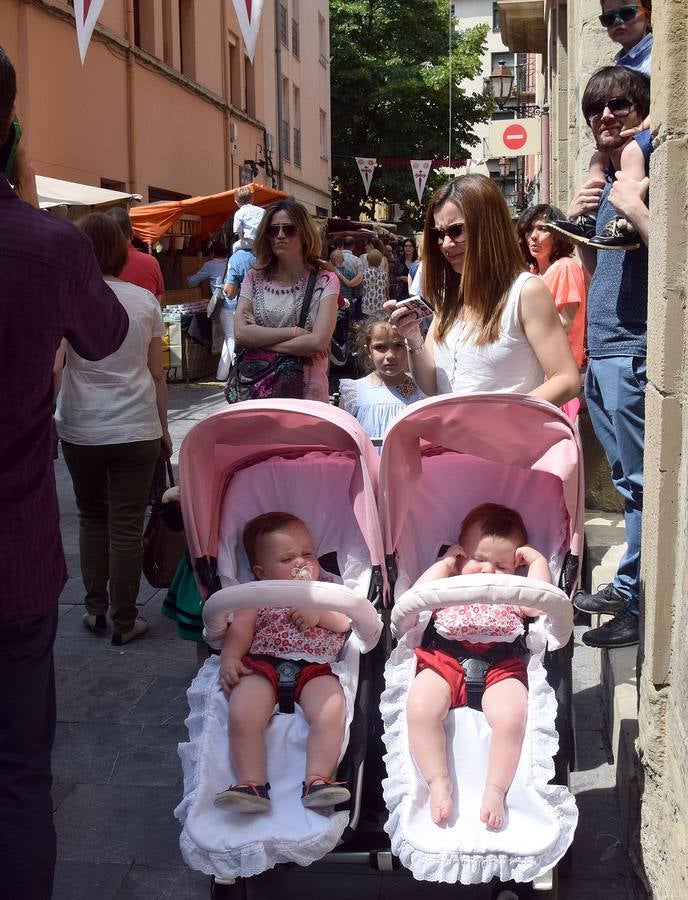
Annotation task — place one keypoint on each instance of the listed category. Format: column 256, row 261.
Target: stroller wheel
column 220, row 891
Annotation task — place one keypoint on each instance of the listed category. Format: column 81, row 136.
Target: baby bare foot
column 440, row 798
column 492, row 808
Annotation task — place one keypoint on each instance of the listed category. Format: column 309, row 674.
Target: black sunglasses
column 624, row 14
column 617, row 106
column 454, row 232
column 288, row 230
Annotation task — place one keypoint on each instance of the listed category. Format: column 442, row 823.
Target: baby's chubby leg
column 324, row 708
column 428, row 703
column 251, row 704
column 505, row 705
column 633, row 161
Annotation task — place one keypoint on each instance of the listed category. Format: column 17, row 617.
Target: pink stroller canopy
column 512, row 430
column 249, row 432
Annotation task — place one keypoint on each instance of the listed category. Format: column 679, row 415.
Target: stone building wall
column 663, row 716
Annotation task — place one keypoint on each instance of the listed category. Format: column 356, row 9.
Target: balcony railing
column 284, row 139
column 297, row 147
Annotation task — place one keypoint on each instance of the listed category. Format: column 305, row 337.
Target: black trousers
column 27, row 729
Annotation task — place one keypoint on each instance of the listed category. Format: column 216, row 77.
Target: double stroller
column 378, row 523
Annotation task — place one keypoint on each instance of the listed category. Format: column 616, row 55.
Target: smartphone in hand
column 416, row 306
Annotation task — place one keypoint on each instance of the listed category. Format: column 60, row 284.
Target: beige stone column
column 663, row 716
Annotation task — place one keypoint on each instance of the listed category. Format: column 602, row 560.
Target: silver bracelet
column 415, row 350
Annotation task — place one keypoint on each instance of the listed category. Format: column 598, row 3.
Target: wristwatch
column 415, row 350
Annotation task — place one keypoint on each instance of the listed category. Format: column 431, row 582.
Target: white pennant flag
column 86, row 13
column 421, row 170
column 366, row 167
column 249, row 13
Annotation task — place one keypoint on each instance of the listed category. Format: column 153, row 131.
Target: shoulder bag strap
column 307, row 297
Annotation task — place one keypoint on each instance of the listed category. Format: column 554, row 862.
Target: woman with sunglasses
column 631, row 26
column 495, row 327
column 287, row 247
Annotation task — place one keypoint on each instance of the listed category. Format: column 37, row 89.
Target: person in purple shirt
column 50, row 287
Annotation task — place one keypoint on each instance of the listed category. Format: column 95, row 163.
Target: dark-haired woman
column 495, row 327
column 112, row 418
column 287, row 247
column 549, row 254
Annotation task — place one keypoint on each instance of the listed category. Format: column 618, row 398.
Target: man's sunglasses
column 288, row 230
column 617, row 106
column 624, row 14
column 454, row 232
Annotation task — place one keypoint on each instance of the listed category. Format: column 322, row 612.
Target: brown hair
column 363, row 334
column 121, row 216
column 492, row 258
column 263, row 525
column 561, row 246
column 495, row 520
column 109, row 244
column 305, row 226
column 617, row 81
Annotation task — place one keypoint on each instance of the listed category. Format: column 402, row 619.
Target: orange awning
column 152, row 221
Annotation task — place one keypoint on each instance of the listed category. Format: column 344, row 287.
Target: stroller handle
column 488, row 589
column 219, row 608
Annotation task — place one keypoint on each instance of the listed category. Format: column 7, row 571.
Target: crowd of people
column 510, row 315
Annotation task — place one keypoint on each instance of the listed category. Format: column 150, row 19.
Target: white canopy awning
column 54, row 192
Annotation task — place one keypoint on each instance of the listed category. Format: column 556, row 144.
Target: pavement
column 117, row 777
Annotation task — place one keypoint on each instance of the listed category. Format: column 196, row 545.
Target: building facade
column 168, row 104
column 517, row 175
column 651, row 752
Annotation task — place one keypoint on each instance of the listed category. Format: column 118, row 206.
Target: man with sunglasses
column 617, row 339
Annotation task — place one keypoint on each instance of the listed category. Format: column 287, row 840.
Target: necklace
column 405, row 388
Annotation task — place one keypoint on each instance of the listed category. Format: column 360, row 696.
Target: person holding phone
column 495, row 326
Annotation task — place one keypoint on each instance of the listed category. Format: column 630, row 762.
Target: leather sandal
column 140, row 627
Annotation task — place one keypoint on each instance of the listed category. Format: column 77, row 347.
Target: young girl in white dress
column 378, row 398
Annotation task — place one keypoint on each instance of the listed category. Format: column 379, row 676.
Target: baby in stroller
column 492, row 540
column 260, row 641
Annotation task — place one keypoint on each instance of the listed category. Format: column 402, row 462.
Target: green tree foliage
column 390, row 95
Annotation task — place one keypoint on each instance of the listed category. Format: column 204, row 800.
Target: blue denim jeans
column 615, row 394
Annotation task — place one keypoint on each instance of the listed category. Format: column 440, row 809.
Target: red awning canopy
column 152, row 221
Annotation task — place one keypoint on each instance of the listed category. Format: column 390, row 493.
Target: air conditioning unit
column 269, row 142
column 233, row 132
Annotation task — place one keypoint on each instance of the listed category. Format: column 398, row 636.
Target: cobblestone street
column 117, row 777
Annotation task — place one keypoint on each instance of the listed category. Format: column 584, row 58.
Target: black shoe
column 581, row 229
column 617, row 234
column 621, row 631
column 606, row 600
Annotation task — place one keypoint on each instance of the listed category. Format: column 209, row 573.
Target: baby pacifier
column 303, row 573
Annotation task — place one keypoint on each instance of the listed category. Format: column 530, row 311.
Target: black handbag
column 259, row 374
column 163, row 539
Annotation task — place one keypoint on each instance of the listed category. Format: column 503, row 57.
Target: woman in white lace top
column 287, row 246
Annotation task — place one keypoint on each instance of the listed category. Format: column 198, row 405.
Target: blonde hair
column 492, row 258
column 244, row 195
column 306, row 230
column 374, row 258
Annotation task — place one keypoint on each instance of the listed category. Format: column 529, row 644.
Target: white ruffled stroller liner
column 541, row 817
column 228, row 844
column 216, row 840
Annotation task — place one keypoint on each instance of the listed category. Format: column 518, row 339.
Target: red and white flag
column 366, row 167
column 249, row 13
column 421, row 170
column 86, row 13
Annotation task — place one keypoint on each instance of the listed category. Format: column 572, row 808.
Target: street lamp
column 501, row 82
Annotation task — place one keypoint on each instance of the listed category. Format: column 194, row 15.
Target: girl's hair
column 363, row 332
column 109, row 244
column 495, row 520
column 306, row 230
column 492, row 258
column 410, row 240
column 561, row 246
column 263, row 525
